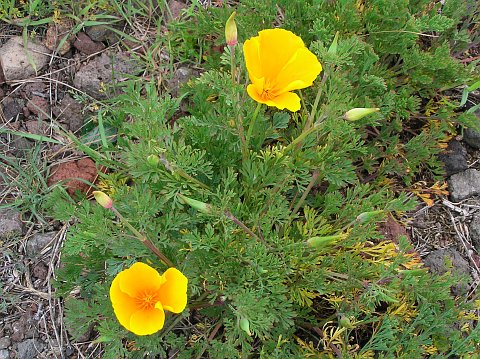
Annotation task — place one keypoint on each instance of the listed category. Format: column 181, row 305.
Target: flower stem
column 315, row 176
column 252, row 125
column 315, row 104
column 235, row 220
column 301, row 137
column 181, row 172
column 232, row 63
column 210, row 338
column 239, row 121
column 143, row 239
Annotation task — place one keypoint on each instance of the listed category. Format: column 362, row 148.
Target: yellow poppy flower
column 140, row 295
column 278, row 62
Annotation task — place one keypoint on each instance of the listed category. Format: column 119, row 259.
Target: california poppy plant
column 140, row 295
column 277, row 63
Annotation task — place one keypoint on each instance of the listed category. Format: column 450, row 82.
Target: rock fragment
column 96, row 76
column 75, row 175
column 12, row 109
column 454, row 158
column 85, row 44
column 18, row 62
column 474, row 229
column 442, row 260
column 30, row 349
column 70, row 113
column 101, row 33
column 10, row 224
column 39, row 106
column 37, row 127
column 59, row 33
column 472, row 138
column 38, row 242
column 464, row 185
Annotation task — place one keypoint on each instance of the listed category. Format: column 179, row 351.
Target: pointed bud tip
column 102, row 199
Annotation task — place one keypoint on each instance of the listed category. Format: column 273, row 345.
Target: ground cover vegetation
column 272, row 216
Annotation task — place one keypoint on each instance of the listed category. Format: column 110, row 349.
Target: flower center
column 268, row 92
column 146, row 300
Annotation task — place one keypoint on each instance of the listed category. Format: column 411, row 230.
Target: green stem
column 232, row 63
column 315, row 104
column 235, row 220
column 252, row 125
column 315, row 176
column 181, row 172
column 172, row 325
column 301, row 137
column 210, row 338
column 143, row 239
column 239, row 118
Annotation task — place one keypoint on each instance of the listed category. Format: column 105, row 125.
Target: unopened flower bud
column 345, row 322
column 357, row 113
column 245, row 326
column 199, row 206
column 333, row 47
column 321, row 242
column 102, row 199
column 231, row 30
column 153, row 160
column 368, row 216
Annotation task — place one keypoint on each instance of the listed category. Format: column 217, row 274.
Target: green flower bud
column 199, row 206
column 321, row 242
column 231, row 30
column 153, row 160
column 357, row 113
column 368, row 216
column 102, row 199
column 333, row 47
column 345, row 322
column 245, row 326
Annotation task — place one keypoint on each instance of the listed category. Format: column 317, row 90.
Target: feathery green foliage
column 359, row 295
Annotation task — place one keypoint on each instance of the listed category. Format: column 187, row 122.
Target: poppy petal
column 288, row 100
column 251, row 52
column 253, row 93
column 139, row 278
column 145, row 322
column 173, row 293
column 300, row 72
column 276, row 48
column 123, row 305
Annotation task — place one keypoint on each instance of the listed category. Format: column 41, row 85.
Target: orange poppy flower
column 278, row 62
column 140, row 295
